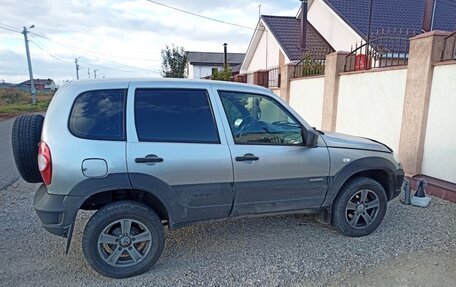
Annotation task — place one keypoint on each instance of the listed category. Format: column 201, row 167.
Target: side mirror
column 311, row 137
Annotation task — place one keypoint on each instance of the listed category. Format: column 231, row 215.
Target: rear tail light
column 45, row 162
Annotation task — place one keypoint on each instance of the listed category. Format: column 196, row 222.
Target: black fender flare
column 150, row 184
column 92, row 186
column 354, row 167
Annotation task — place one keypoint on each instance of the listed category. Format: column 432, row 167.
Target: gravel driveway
column 273, row 251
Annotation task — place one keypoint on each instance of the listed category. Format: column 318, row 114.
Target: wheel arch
column 376, row 168
column 94, row 193
column 102, row 198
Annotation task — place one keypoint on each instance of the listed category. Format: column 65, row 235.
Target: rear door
column 177, row 149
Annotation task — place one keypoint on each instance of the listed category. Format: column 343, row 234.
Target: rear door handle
column 149, row 158
column 247, row 157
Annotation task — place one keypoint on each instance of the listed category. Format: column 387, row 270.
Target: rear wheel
column 123, row 239
column 25, row 136
column 359, row 208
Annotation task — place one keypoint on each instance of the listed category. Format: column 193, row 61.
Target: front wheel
column 359, row 208
column 123, row 239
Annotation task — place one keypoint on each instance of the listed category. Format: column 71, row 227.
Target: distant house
column 202, row 64
column 277, row 41
column 5, row 85
column 340, row 25
column 43, row 85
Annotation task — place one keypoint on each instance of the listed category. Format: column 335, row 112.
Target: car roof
column 168, row 81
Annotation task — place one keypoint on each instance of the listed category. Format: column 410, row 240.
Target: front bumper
column 398, row 178
column 57, row 213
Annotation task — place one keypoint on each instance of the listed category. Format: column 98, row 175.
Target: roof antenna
column 259, row 11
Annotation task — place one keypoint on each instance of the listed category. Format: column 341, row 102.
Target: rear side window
column 99, row 115
column 174, row 115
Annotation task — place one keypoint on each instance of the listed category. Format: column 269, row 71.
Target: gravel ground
column 412, row 247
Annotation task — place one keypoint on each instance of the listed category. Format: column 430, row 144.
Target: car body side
column 180, row 200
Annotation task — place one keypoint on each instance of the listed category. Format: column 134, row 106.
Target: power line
column 199, row 15
column 11, row 30
column 9, row 26
column 51, row 55
column 61, row 43
column 88, row 51
column 36, row 42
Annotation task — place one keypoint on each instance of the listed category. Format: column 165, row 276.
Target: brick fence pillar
column 333, row 67
column 425, row 50
column 286, row 74
column 260, row 78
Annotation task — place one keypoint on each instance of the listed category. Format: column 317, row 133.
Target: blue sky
column 120, row 38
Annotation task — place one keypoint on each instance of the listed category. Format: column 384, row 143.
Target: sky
column 120, row 38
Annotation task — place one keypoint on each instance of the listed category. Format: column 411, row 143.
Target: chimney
column 303, row 23
column 428, row 16
column 225, row 56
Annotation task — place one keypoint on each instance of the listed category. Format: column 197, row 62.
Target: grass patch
column 14, row 100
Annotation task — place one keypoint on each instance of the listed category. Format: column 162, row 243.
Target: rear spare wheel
column 26, row 135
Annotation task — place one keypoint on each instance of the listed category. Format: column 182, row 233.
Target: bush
column 15, row 100
column 14, row 96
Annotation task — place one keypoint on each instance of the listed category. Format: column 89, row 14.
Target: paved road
column 8, row 171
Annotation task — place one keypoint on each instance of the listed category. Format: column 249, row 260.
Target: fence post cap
column 343, row 53
column 435, row 33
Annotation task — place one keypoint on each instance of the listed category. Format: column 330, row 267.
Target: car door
column 176, row 150
column 274, row 170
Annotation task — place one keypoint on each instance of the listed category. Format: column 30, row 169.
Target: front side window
column 257, row 119
column 174, row 115
column 99, row 115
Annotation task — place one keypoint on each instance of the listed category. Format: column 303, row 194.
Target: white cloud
column 120, row 38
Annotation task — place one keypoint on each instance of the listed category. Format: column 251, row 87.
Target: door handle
column 149, row 158
column 247, row 157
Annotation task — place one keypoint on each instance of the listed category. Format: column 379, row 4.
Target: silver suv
column 152, row 153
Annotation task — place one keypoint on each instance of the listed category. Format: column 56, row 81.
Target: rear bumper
column 57, row 213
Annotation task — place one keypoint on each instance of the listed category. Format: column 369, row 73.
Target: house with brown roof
column 338, row 25
column 43, row 85
column 278, row 40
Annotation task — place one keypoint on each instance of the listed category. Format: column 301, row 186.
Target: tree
column 174, row 62
column 223, row 75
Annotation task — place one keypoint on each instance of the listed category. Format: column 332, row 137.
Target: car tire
column 359, row 207
column 25, row 137
column 123, row 239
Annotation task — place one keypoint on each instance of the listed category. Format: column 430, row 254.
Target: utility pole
column 29, row 62
column 88, row 72
column 77, row 67
column 95, row 73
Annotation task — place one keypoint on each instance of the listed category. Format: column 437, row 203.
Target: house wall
column 267, row 53
column 338, row 33
column 370, row 105
column 198, row 72
column 190, row 71
column 306, row 98
column 439, row 158
column 276, row 91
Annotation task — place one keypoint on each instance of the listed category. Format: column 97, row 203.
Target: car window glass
column 257, row 119
column 99, row 115
column 174, row 115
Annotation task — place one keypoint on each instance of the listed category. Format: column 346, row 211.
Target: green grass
column 17, row 101
column 38, row 107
